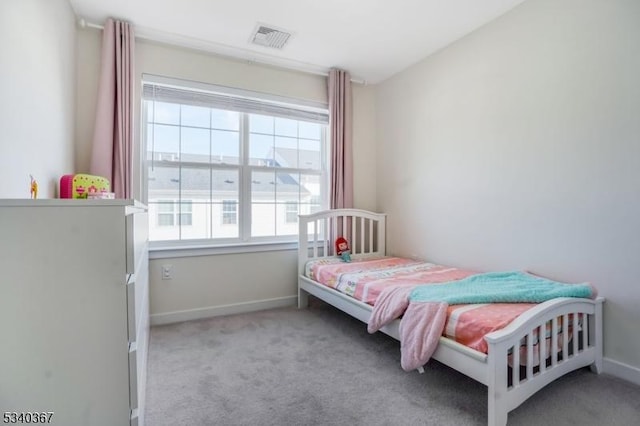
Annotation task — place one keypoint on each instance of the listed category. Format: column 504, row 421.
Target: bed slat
column 362, row 235
column 353, row 235
column 554, row 341
column 585, row 333
column 530, row 355
column 515, row 369
column 327, row 232
column 542, row 338
column 576, row 333
column 565, row 337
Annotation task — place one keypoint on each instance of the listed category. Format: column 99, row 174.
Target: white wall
column 364, row 152
column 518, row 147
column 88, row 51
column 37, row 83
column 209, row 284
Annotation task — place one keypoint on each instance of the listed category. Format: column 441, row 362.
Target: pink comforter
column 366, row 279
column 385, row 283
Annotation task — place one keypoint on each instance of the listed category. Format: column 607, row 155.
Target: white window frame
column 244, row 242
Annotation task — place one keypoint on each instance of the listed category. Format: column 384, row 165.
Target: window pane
column 260, row 150
column 162, row 225
column 163, row 183
column 226, row 196
column 195, row 184
column 195, row 116
column 291, row 210
column 286, row 127
column 310, row 154
column 226, row 184
column 195, row 145
column 229, row 212
column 226, row 120
column 225, row 219
column 194, row 220
column 166, row 206
column 310, row 189
column 150, row 108
column 286, row 152
column 225, row 147
column 309, row 130
column 310, row 208
column 287, row 187
column 165, row 142
column 185, row 220
column 260, row 124
column 165, row 219
column 166, row 113
column 185, row 217
column 149, row 141
column 263, row 187
column 286, row 222
column 263, row 220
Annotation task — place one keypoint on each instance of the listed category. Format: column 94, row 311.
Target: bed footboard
column 543, row 344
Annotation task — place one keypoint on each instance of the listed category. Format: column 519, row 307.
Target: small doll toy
column 33, row 188
column 342, row 249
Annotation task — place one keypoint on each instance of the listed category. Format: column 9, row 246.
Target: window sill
column 195, row 250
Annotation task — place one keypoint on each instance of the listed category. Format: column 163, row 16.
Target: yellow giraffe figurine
column 34, row 188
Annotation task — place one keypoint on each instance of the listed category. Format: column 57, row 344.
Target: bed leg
column 595, row 335
column 496, row 416
column 303, row 299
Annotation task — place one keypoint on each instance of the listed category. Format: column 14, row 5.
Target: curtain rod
column 161, row 37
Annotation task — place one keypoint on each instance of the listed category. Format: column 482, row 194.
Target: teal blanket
column 499, row 287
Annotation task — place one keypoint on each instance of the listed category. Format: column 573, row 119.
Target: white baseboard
column 215, row 311
column 621, row 370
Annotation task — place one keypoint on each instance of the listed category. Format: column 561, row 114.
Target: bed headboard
column 364, row 230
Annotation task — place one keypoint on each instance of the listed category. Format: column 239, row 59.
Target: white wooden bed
column 507, row 387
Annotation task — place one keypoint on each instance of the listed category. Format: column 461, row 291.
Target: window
column 168, row 213
column 229, row 212
column 165, row 213
column 230, row 166
column 291, row 212
column 185, row 213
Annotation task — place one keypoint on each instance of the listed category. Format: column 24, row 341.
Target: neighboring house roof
column 286, row 157
column 165, row 176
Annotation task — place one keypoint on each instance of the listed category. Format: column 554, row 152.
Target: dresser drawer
column 133, row 376
column 131, row 309
column 138, row 297
column 137, row 231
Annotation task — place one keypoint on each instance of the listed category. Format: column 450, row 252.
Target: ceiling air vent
column 269, row 36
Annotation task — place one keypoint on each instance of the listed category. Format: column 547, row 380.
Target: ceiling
column 372, row 39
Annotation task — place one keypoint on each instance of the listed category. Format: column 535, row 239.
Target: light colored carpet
column 318, row 366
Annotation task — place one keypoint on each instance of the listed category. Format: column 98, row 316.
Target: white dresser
column 74, row 310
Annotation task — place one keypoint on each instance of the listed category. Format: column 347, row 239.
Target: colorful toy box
column 81, row 185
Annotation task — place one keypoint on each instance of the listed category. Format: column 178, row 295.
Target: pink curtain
column 340, row 131
column 113, row 132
